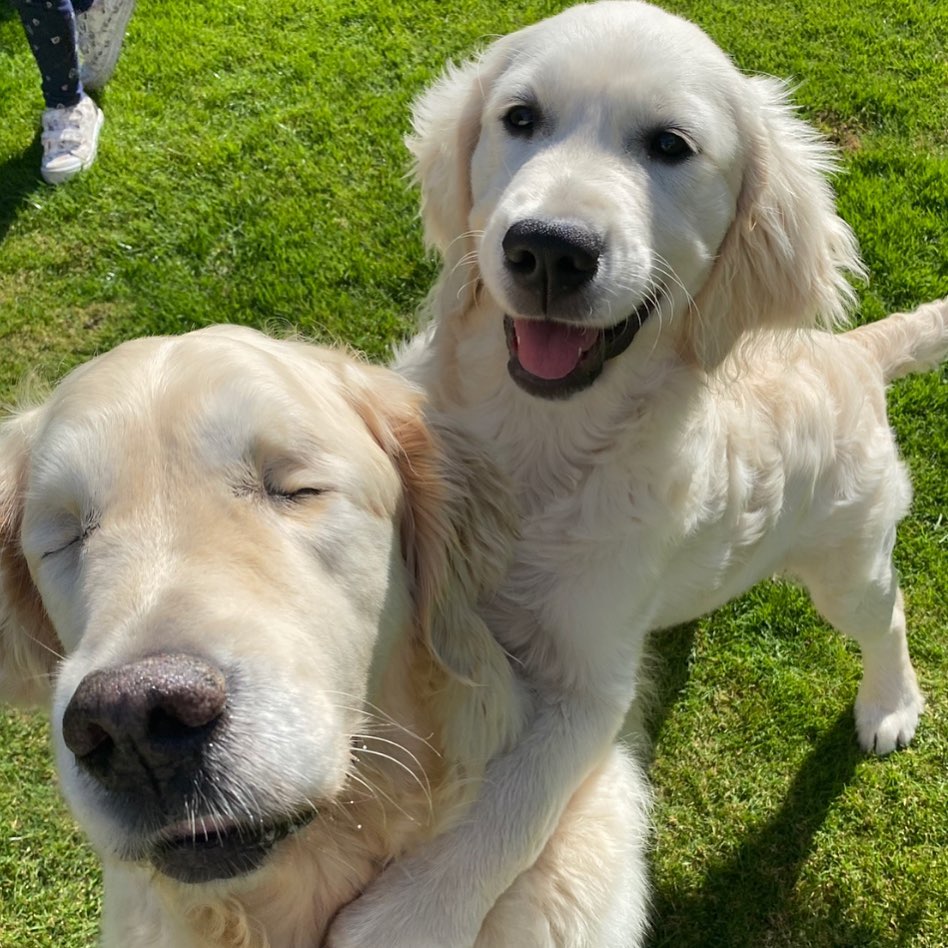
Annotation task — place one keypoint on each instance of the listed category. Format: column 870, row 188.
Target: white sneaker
column 101, row 30
column 70, row 139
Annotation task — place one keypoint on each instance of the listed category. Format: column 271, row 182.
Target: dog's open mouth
column 555, row 360
column 213, row 848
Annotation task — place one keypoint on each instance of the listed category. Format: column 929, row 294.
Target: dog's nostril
column 163, row 726
column 521, row 259
column 578, row 266
column 85, row 739
column 99, row 758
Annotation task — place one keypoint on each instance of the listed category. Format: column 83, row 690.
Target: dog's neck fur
column 402, row 772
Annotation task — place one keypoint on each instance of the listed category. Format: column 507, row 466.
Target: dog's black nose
column 144, row 727
column 551, row 259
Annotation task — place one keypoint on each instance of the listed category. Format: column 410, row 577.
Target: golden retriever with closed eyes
column 642, row 263
column 236, row 567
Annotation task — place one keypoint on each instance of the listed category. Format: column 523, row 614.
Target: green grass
column 251, row 171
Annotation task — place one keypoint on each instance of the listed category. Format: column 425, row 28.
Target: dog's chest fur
column 644, row 477
column 596, row 480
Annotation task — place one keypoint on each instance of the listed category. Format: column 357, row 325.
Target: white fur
column 135, row 520
column 736, row 437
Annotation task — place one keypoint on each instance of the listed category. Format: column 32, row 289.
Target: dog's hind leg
column 860, row 596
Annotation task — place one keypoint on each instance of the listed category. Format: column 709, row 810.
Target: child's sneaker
column 70, row 138
column 101, row 30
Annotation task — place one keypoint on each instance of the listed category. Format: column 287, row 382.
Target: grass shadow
column 745, row 899
column 21, row 178
column 667, row 665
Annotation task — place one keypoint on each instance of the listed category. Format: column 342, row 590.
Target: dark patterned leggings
column 51, row 29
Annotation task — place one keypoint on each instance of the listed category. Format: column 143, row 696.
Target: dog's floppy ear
column 458, row 520
column 29, row 648
column 785, row 258
column 446, row 123
column 458, row 526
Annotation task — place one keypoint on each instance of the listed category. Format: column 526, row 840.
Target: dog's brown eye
column 666, row 145
column 520, row 120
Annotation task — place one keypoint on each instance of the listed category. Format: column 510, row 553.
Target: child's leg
column 71, row 121
column 51, row 31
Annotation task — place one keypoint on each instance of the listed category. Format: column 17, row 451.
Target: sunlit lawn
column 251, row 170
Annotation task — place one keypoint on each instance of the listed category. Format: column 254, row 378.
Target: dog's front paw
column 355, row 927
column 402, row 909
column 884, row 726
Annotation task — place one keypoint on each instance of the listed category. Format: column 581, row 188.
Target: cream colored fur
column 150, row 505
column 735, row 438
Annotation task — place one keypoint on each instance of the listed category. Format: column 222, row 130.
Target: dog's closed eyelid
column 294, row 494
column 61, row 549
column 68, row 539
column 278, row 490
column 292, row 482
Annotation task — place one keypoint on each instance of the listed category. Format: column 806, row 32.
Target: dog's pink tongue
column 551, row 350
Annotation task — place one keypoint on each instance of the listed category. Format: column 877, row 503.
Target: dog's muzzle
column 147, row 734
column 551, row 265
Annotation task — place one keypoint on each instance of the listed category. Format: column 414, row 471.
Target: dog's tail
column 907, row 342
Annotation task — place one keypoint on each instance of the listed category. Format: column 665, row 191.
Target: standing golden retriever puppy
column 642, row 258
column 239, row 565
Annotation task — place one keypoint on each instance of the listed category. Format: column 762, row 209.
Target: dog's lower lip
column 215, row 848
column 611, row 342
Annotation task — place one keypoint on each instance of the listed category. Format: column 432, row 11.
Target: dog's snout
column 550, row 259
column 145, row 722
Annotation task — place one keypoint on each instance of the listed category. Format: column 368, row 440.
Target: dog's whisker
column 377, row 794
column 466, row 235
column 373, row 710
column 393, row 802
column 372, row 790
column 400, row 747
column 467, row 261
column 471, row 282
column 423, row 785
column 59, row 656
